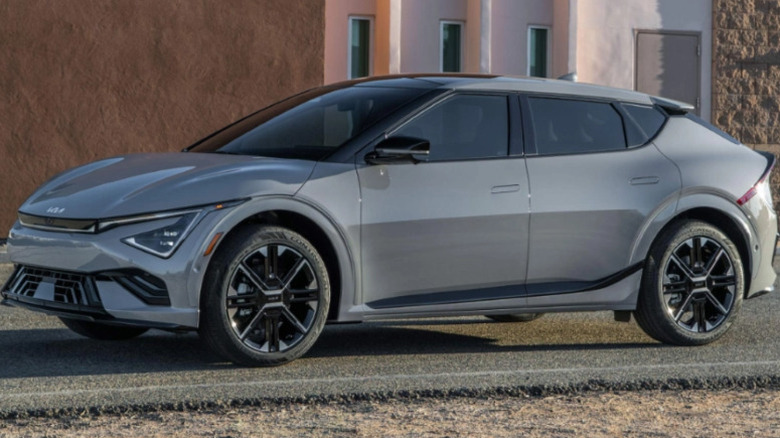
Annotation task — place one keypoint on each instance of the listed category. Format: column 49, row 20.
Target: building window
column 359, row 54
column 538, row 51
column 451, row 55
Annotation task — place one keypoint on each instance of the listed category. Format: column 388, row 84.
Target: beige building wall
column 605, row 37
column 509, row 33
column 337, row 13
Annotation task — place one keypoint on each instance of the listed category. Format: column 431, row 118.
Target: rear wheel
column 692, row 287
column 516, row 317
column 103, row 332
column 265, row 298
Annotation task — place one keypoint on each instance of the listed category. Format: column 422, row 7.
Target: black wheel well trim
column 319, row 238
column 725, row 223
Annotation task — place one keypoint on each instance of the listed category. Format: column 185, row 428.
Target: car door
column 594, row 182
column 451, row 230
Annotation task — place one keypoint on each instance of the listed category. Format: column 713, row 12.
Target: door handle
column 644, row 180
column 509, row 188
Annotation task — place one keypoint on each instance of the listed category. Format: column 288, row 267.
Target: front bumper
column 97, row 277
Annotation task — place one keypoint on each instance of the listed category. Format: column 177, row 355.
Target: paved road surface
column 45, row 366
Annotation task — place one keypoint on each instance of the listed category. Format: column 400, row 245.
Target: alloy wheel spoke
column 294, row 321
column 711, row 298
column 253, row 277
column 252, row 325
column 683, row 267
column 245, row 300
column 719, row 281
column 683, row 308
column 700, row 316
column 696, row 256
column 271, row 263
column 714, row 260
column 272, row 331
column 303, row 295
column 676, row 287
column 294, row 272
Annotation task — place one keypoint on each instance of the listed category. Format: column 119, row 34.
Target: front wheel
column 265, row 297
column 692, row 287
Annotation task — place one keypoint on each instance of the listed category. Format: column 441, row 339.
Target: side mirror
column 399, row 150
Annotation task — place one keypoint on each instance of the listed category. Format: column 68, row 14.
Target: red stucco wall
column 88, row 79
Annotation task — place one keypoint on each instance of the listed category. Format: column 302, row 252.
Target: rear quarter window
column 642, row 123
column 563, row 126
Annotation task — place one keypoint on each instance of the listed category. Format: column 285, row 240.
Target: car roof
column 508, row 83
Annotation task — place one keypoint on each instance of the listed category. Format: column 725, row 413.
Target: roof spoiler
column 674, row 105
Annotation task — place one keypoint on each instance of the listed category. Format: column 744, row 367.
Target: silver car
column 408, row 196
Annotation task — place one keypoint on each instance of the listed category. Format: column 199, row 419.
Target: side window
column 574, row 126
column 642, row 124
column 461, row 127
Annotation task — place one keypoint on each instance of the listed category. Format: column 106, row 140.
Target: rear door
column 451, row 231
column 593, row 186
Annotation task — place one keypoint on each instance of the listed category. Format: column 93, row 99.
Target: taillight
column 754, row 190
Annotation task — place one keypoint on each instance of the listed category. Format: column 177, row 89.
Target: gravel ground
column 606, row 414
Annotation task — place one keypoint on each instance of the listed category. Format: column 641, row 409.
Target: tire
column 265, row 297
column 516, row 317
column 692, row 286
column 103, row 332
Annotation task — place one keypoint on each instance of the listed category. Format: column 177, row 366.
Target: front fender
column 255, row 206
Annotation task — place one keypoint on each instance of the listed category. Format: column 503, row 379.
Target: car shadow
column 58, row 352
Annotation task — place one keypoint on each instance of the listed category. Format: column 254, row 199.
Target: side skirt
column 615, row 292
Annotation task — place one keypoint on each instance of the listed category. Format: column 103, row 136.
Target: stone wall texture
column 746, row 74
column 88, row 79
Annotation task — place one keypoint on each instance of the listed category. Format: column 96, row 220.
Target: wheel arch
column 312, row 224
column 715, row 211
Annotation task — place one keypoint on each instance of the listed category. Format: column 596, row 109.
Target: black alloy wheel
column 267, row 299
column 692, row 286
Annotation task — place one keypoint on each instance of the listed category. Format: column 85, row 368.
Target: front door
column 451, row 230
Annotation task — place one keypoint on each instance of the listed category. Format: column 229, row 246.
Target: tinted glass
column 461, row 127
column 642, row 124
column 450, row 47
column 310, row 125
column 573, row 126
column 359, row 47
column 537, row 59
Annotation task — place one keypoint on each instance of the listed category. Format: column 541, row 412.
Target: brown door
column 667, row 65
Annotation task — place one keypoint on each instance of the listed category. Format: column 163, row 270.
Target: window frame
column 548, row 46
column 462, row 25
column 531, row 149
column 370, row 20
column 628, row 118
column 515, row 135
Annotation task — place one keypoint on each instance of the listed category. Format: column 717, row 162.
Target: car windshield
column 309, row 125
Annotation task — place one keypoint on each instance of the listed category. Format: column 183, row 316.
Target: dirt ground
column 645, row 413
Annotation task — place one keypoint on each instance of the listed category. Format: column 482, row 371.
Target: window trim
column 628, row 118
column 511, row 128
column 370, row 20
column 462, row 25
column 530, row 134
column 548, row 46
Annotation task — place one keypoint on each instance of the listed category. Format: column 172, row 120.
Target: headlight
column 163, row 241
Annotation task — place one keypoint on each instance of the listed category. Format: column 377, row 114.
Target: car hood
column 146, row 183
